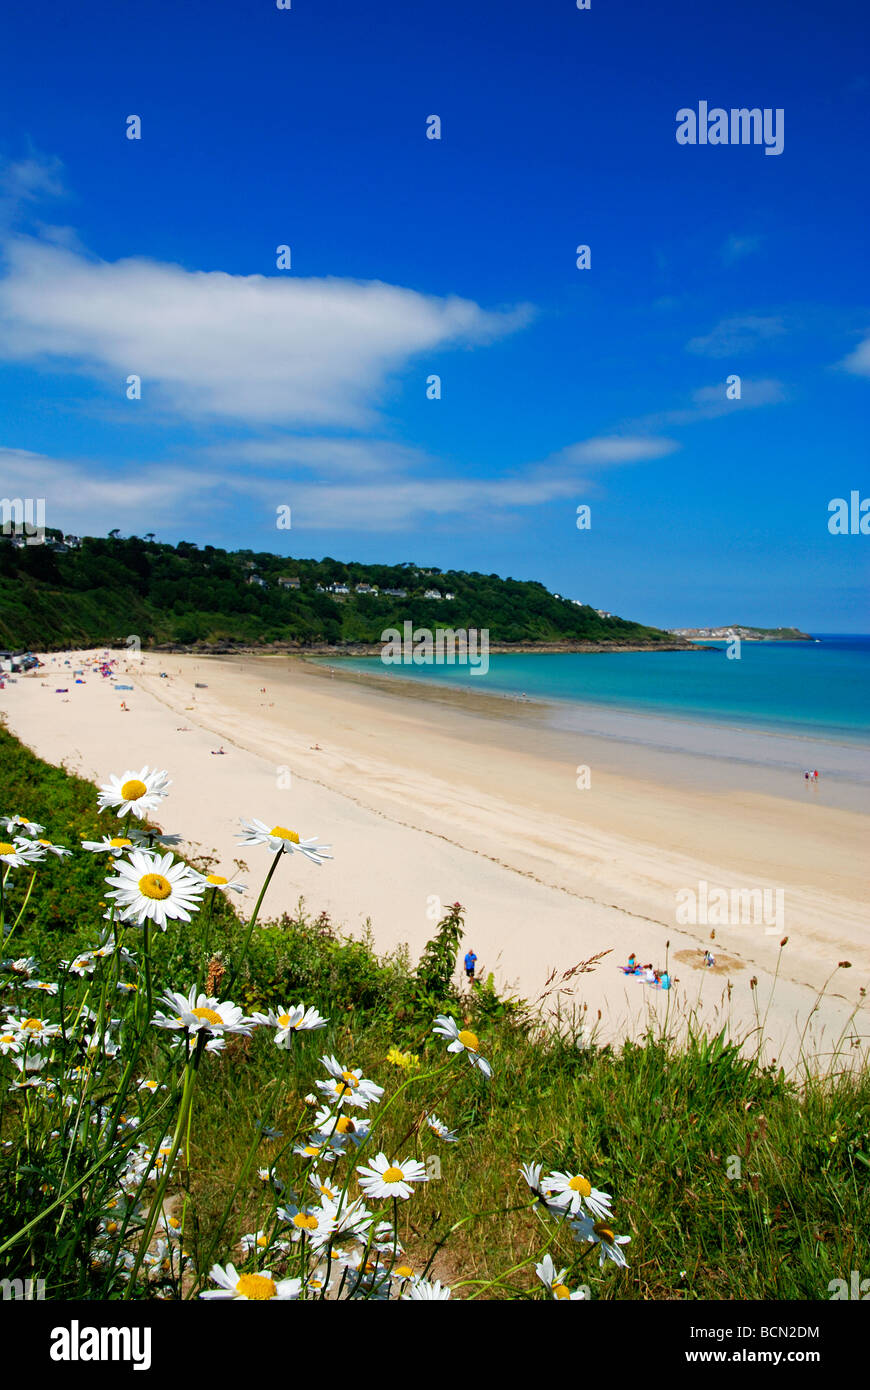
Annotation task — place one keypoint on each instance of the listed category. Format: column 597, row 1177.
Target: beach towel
column 62, row 691
column 123, row 687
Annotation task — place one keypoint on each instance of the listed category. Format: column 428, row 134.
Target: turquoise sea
column 819, row 689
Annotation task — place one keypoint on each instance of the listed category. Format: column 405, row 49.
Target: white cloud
column 331, row 484
column 710, row 402
column 323, row 454
column 740, row 333
column 82, row 498
column 253, row 348
column 615, row 448
column 736, row 247
column 858, row 362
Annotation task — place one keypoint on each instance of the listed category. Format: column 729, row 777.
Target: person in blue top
column 665, row 980
column 470, row 963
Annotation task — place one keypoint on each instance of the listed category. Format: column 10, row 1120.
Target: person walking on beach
column 470, row 963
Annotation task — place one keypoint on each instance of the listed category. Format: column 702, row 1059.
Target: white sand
column 430, row 801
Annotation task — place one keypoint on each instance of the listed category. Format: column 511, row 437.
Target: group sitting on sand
column 660, row 979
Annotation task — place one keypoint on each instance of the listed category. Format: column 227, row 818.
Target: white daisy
column 115, row 845
column 24, row 966
column 49, row 848
column 385, row 1179
column 311, row 1222
column 423, row 1290
column 82, row 965
column 349, row 1087
column 268, row 1176
column 255, row 1288
column 21, row 824
column 20, row 852
column 322, row 1188
column 289, row 1020
column 32, row 1030
column 554, row 1280
column 258, row 1241
column 155, row 888
column 441, row 1130
column 601, row 1234
column 218, row 881
column 45, row 986
column 340, row 1127
column 572, row 1192
column 139, row 792
column 9, row 1041
column 462, row 1041
column 283, row 841
column 200, row 1013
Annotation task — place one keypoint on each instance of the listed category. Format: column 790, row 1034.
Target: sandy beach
column 430, row 797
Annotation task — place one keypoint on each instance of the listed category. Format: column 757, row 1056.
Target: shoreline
column 442, row 799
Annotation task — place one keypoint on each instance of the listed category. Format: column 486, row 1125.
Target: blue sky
column 456, row 257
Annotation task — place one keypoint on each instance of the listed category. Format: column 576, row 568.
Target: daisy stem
column 218, row 1232
column 163, row 1183
column 24, row 904
column 475, row 1216
column 206, row 952
column 244, row 951
column 146, row 951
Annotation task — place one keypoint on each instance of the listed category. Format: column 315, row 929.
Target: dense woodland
column 107, row 588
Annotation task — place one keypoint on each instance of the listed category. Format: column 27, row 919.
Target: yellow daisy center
column 207, row 1015
column 404, row 1272
column 327, row 1191
column 216, row 879
column 7, row 1038
column 345, row 1125
column 154, row 886
column 580, row 1185
column 111, row 1227
column 281, row 832
column 6, row 848
column 469, row 1040
column 604, row 1232
column 174, row 1223
column 119, row 842
column 305, row 1223
column 33, row 1025
column 43, row 842
column 256, row 1287
column 561, row 1291
column 283, row 1019
column 393, row 1175
column 133, row 790
column 350, row 1079
column 262, row 1241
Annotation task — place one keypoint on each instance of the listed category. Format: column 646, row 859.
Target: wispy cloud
column 334, row 484
column 251, row 348
column 738, row 334
column 858, row 361
column 736, row 247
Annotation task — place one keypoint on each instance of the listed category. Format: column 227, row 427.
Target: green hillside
column 109, row 587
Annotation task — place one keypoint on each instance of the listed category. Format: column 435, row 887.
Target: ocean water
column 818, row 689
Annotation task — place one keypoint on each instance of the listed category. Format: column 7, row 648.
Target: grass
column 732, row 1180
